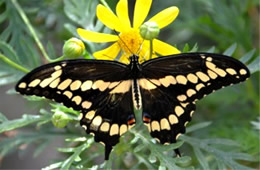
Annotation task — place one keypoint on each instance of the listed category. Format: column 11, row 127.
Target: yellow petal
column 109, row 53
column 96, row 36
column 124, row 59
column 122, row 13
column 163, row 48
column 142, row 8
column 166, row 16
column 145, row 51
column 108, row 18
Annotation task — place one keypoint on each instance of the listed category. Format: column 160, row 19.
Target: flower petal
column 124, row 58
column 166, row 16
column 108, row 18
column 142, row 8
column 122, row 13
column 109, row 53
column 96, row 36
column 163, row 48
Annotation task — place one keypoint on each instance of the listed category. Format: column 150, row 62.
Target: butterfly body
column 106, row 92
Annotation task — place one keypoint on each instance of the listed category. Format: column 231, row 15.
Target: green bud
column 149, row 30
column 73, row 48
column 60, row 119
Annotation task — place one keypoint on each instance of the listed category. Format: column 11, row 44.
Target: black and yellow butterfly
column 106, row 92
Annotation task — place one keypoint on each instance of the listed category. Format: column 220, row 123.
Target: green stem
column 13, row 64
column 57, row 59
column 105, row 4
column 151, row 49
column 29, row 26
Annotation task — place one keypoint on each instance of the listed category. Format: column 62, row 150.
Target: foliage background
column 224, row 131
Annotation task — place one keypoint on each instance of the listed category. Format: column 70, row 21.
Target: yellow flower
column 129, row 40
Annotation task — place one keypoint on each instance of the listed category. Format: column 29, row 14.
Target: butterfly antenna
column 139, row 51
column 108, row 56
column 123, row 42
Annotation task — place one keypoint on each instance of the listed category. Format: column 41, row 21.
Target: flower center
column 130, row 41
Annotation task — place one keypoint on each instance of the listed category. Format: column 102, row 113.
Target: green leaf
column 255, row 65
column 248, row 56
column 53, row 166
column 186, row 48
column 197, row 126
column 77, row 151
column 3, row 118
column 40, row 148
column 219, row 141
column 201, row 158
column 211, row 50
column 230, row 50
column 18, row 123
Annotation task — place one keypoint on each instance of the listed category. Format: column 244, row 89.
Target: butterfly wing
column 100, row 90
column 171, row 85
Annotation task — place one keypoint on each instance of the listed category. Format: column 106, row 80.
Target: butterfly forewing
column 100, row 90
column 105, row 92
column 171, row 85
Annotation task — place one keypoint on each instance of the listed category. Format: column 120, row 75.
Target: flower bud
column 73, row 48
column 60, row 119
column 149, row 30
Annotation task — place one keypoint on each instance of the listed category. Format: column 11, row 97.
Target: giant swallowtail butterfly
column 106, row 92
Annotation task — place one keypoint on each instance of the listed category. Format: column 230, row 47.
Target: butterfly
column 107, row 92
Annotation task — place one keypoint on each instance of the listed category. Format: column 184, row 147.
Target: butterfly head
column 134, row 64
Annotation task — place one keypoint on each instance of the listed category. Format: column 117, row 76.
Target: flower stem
column 30, row 27
column 13, row 64
column 151, row 49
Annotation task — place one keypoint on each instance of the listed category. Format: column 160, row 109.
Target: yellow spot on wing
column 202, row 76
column 173, row 119
column 179, row 110
column 22, row 85
column 242, row 71
column 192, row 78
column 105, row 127
column 55, row 83
column 57, row 67
column 56, row 74
column 199, row 86
column 155, row 81
column 155, row 126
column 64, row 84
column 75, row 85
column 68, row 94
column 165, row 124
column 212, row 74
column 77, row 99
column 113, row 84
column 86, row 104
column 146, row 84
column 97, row 121
column 97, row 84
column 123, row 129
column 231, row 71
column 190, row 92
column 182, row 97
column 86, row 85
column 122, row 87
column 90, row 115
column 34, row 83
column 181, row 79
column 114, row 130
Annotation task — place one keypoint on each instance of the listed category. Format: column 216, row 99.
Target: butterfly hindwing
column 100, row 90
column 105, row 92
column 170, row 86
